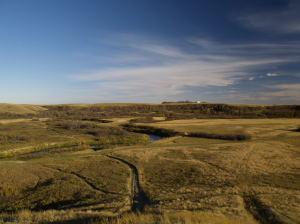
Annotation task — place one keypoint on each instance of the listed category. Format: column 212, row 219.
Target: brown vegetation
column 8, row 193
column 236, row 137
column 220, row 180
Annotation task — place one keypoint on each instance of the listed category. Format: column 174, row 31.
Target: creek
column 152, row 138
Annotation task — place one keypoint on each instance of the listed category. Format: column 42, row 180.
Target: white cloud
column 252, row 78
column 261, row 76
column 281, row 92
column 152, row 68
column 285, row 21
column 272, row 74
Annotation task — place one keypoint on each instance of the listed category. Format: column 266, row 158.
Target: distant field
column 257, row 128
column 20, row 108
column 103, row 104
column 231, row 104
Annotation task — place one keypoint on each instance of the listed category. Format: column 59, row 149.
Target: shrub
column 143, row 120
column 233, row 137
column 13, row 137
column 76, row 124
column 8, row 193
column 103, row 131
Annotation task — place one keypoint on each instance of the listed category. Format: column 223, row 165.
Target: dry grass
column 92, row 182
column 258, row 128
column 217, row 177
column 96, row 217
column 27, row 135
column 102, row 104
column 20, row 108
column 186, row 179
column 37, row 135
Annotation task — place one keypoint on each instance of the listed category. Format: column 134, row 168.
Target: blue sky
column 70, row 51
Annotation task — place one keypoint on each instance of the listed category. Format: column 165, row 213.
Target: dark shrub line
column 233, row 137
column 151, row 130
column 143, row 120
column 103, row 131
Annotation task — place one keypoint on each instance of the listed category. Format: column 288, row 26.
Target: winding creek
column 138, row 199
column 152, row 138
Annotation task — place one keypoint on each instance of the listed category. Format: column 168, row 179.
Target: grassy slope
column 20, row 108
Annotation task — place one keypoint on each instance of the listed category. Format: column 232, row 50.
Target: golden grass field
column 20, row 108
column 186, row 179
column 257, row 128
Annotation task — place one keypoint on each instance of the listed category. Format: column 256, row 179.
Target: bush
column 233, row 137
column 143, row 120
column 77, row 124
column 8, row 193
column 103, row 131
column 13, row 137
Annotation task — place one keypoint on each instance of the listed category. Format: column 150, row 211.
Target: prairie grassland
column 100, row 217
column 185, row 179
column 85, row 183
column 22, row 136
column 103, row 104
column 258, row 177
column 20, row 108
column 257, row 128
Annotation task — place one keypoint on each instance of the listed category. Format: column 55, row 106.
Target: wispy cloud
column 285, row 21
column 272, row 74
column 167, row 70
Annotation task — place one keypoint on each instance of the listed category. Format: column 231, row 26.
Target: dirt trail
column 138, row 197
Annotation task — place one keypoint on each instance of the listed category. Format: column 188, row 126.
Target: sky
column 133, row 51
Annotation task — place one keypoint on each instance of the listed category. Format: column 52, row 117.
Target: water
column 152, row 138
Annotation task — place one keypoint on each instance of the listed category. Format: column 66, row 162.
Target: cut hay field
column 20, row 108
column 178, row 179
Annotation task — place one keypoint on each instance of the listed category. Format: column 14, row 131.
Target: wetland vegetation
column 215, row 163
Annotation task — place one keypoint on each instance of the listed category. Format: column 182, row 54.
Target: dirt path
column 138, row 197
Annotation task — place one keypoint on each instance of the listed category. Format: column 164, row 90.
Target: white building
column 198, row 101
